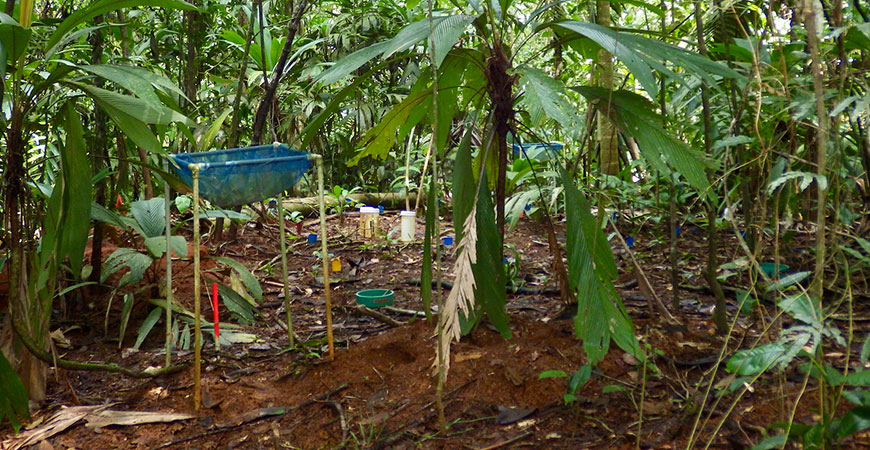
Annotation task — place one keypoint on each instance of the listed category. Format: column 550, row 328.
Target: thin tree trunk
column 607, row 145
column 22, row 307
column 817, row 286
column 99, row 160
column 719, row 316
column 277, row 75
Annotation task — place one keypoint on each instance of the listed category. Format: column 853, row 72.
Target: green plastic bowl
column 375, row 298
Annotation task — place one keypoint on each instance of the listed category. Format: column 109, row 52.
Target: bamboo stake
column 168, row 361
column 197, row 337
column 325, row 257
column 290, row 338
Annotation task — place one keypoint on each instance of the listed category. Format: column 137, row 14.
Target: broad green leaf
column 497, row 9
column 801, row 308
column 636, row 117
column 446, row 33
column 105, row 6
column 732, row 141
column 865, row 350
column 544, row 95
column 135, row 129
column 579, row 378
column 209, row 135
column 248, row 278
column 13, row 37
column 552, row 374
column 72, row 37
column 240, row 307
column 315, row 125
column 157, row 245
column 100, row 213
column 144, row 111
column 13, row 396
column 147, row 326
column 125, row 317
column 788, row 280
column 76, row 170
column 381, row 138
column 490, row 294
column 137, row 262
column 350, row 63
column 805, row 179
column 225, row 214
column 229, row 337
column 857, row 378
column 150, row 215
column 857, row 419
column 591, row 269
column 771, row 442
column 643, row 55
column 756, row 360
column 127, row 79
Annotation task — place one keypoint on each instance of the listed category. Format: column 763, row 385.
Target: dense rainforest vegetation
column 746, row 122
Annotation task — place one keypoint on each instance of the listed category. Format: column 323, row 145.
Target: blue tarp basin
column 240, row 176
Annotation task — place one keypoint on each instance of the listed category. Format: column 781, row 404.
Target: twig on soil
column 409, row 312
column 95, row 367
column 341, row 418
column 256, row 415
column 643, row 281
column 366, row 311
column 510, row 441
column 510, row 289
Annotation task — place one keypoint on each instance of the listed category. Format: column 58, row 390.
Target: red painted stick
column 216, row 314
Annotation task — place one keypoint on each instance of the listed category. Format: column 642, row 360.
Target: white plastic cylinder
column 409, row 225
column 367, row 220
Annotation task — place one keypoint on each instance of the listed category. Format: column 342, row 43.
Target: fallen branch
column 510, row 289
column 510, row 441
column 643, row 282
column 341, row 418
column 254, row 416
column 47, row 357
column 366, row 311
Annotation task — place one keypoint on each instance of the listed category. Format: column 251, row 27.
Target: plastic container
column 409, row 225
column 312, row 238
column 375, row 298
column 336, row 264
column 447, row 240
column 368, row 221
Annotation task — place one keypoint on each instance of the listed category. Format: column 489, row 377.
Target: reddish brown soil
column 380, row 383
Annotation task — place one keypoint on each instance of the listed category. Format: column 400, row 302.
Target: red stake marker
column 216, row 314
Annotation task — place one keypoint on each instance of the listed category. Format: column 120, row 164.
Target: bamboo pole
column 290, row 338
column 197, row 338
column 168, row 361
column 325, row 257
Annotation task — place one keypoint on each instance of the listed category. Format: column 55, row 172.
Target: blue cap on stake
column 312, row 238
column 629, row 241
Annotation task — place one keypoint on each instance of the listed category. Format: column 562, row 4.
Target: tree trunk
column 22, row 308
column 269, row 95
column 500, row 85
column 99, row 160
column 719, row 316
column 810, row 22
column 607, row 145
